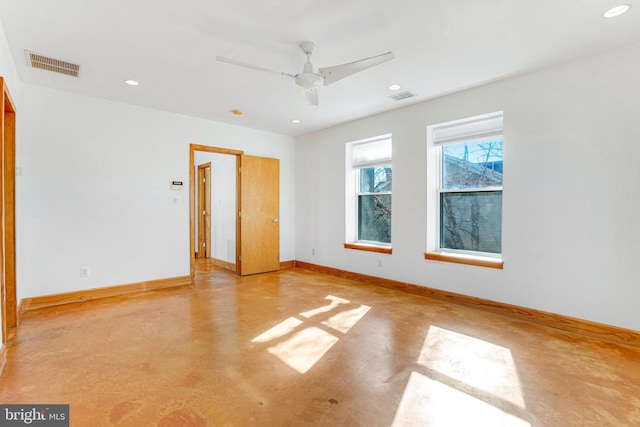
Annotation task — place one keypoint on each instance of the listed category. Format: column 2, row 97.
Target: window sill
column 369, row 248
column 465, row 259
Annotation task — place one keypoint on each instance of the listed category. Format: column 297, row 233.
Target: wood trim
column 232, row 267
column 35, row 303
column 238, row 211
column 192, row 212
column 218, row 262
column 368, row 248
column 8, row 297
column 484, row 262
column 204, row 204
column 287, row 264
column 224, row 264
column 587, row 328
column 209, row 149
column 20, row 312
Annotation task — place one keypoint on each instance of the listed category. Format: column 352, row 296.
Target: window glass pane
column 472, row 165
column 375, row 180
column 471, row 221
column 374, row 218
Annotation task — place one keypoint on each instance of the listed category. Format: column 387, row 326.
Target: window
column 369, row 185
column 466, row 196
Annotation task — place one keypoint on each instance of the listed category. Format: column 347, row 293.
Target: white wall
column 95, row 189
column 571, row 202
column 223, row 204
column 8, row 68
column 223, row 208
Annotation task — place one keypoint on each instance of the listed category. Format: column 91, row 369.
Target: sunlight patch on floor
column 346, row 320
column 302, row 343
column 460, row 380
column 479, row 364
column 430, row 403
column 333, row 303
column 281, row 329
column 303, row 349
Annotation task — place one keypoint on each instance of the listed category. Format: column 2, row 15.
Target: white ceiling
column 441, row 46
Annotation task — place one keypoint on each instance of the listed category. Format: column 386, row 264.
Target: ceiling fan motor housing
column 308, row 80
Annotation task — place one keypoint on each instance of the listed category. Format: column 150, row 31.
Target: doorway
column 213, row 193
column 256, row 183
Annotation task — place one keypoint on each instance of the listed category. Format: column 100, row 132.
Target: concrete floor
column 296, row 348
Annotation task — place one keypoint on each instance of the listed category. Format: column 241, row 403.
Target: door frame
column 204, row 204
column 8, row 214
column 192, row 200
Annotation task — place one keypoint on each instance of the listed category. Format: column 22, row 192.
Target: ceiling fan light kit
column 310, row 80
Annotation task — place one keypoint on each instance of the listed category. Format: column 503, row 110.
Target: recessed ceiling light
column 617, row 11
column 132, row 82
column 394, row 87
column 236, row 112
column 296, row 121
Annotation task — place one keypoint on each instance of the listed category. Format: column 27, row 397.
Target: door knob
column 276, row 220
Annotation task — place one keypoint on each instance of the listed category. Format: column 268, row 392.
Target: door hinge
column 204, row 244
column 239, row 214
column 204, row 179
column 239, row 170
column 204, row 213
column 239, row 257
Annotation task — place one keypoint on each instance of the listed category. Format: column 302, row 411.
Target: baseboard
column 232, row 267
column 217, row 262
column 20, row 312
column 588, row 328
column 35, row 303
column 224, row 264
column 287, row 264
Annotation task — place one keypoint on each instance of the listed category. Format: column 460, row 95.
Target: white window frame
column 475, row 129
column 353, row 189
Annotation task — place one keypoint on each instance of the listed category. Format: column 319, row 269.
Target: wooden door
column 259, row 215
column 204, row 211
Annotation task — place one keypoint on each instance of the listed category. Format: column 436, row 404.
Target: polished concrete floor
column 296, row 348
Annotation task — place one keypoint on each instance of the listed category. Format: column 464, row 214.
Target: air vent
column 402, row 95
column 49, row 64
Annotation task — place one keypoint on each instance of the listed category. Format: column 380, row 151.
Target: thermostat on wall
column 176, row 185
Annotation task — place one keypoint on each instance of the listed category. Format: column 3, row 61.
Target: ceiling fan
column 310, row 80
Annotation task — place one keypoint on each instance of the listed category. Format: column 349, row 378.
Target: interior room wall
column 571, row 150
column 8, row 68
column 96, row 189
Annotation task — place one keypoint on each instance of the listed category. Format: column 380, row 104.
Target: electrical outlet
column 85, row 272
column 380, row 262
column 313, row 251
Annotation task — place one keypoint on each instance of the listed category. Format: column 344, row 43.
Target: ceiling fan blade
column 311, row 95
column 338, row 72
column 249, row 66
